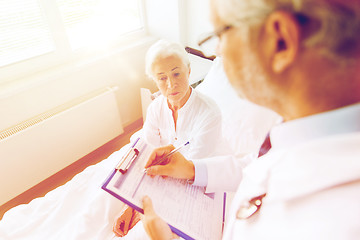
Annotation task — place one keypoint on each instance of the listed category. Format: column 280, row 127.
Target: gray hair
column 163, row 49
column 337, row 33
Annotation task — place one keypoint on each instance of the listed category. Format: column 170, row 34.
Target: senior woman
column 178, row 115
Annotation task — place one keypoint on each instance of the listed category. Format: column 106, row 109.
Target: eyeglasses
column 217, row 33
column 210, row 41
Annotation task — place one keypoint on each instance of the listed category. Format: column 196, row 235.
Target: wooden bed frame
column 199, row 53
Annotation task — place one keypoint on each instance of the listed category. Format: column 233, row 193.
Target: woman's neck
column 175, row 106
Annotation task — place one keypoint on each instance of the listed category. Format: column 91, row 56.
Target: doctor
column 301, row 59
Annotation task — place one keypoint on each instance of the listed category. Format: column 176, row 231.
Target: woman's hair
column 337, row 31
column 163, row 49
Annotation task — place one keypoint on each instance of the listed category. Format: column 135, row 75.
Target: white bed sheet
column 80, row 209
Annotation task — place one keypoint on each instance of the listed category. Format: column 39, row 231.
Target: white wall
column 178, row 20
column 163, row 18
column 30, row 96
column 198, row 21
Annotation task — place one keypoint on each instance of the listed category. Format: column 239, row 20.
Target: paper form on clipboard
column 190, row 213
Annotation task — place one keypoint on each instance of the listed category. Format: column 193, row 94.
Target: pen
column 169, row 154
column 156, row 163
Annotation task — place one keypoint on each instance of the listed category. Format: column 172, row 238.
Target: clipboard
column 132, row 185
column 122, row 167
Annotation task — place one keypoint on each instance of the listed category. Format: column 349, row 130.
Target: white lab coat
column 312, row 182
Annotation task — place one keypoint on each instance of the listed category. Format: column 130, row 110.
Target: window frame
column 63, row 54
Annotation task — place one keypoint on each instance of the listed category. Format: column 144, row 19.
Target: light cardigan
column 312, row 180
column 199, row 121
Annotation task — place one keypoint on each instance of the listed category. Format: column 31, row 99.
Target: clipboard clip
column 128, row 159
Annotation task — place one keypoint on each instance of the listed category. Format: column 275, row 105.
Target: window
column 33, row 28
column 24, row 31
column 92, row 22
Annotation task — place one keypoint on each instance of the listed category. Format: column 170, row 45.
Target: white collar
column 339, row 121
column 314, row 164
column 190, row 101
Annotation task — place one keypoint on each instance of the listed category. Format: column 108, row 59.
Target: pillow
column 245, row 125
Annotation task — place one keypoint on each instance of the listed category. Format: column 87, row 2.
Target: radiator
column 37, row 148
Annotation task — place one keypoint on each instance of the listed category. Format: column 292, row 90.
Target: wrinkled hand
column 175, row 166
column 125, row 222
column 155, row 227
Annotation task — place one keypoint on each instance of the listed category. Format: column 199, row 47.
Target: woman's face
column 172, row 78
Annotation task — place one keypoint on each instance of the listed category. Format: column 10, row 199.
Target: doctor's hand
column 175, row 166
column 125, row 222
column 155, row 227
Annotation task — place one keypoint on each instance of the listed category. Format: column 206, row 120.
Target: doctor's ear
column 282, row 37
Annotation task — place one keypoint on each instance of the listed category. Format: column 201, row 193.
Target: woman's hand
column 155, row 227
column 175, row 166
column 125, row 222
